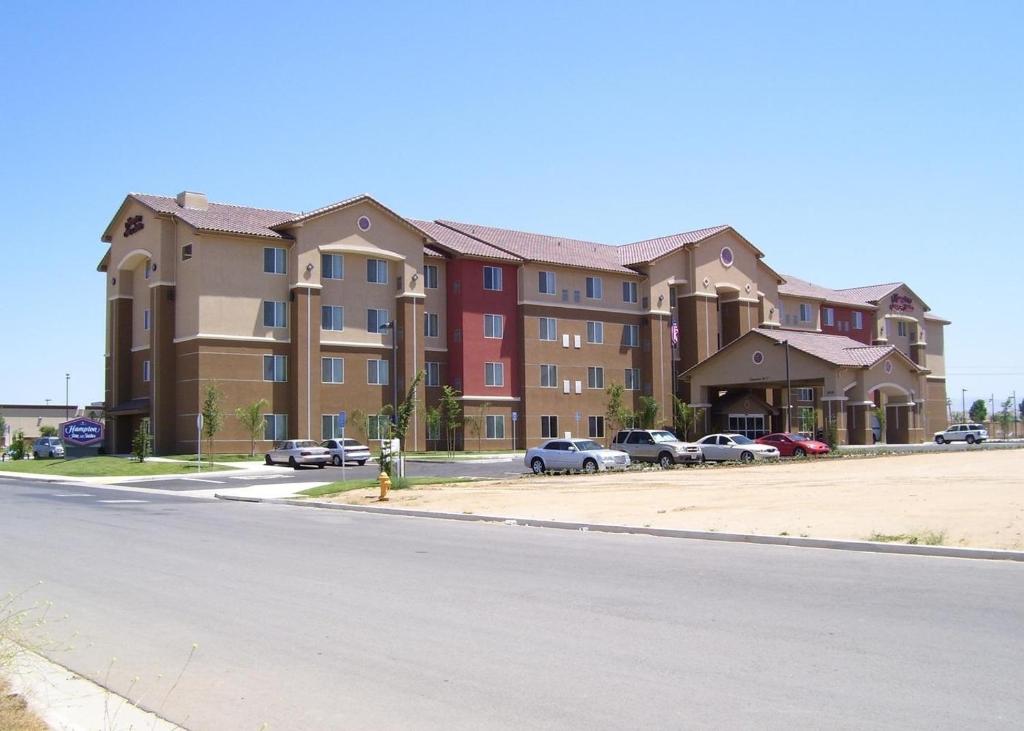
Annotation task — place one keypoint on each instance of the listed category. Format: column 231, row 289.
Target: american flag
column 675, row 333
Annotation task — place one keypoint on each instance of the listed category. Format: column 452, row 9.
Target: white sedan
column 734, row 447
column 298, row 452
column 581, row 455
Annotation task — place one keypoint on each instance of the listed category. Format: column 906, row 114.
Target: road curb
column 990, row 554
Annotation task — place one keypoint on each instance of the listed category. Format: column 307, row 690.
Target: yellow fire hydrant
column 385, row 484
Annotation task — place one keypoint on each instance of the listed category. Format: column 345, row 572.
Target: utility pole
column 67, row 391
column 1016, row 413
column 963, row 404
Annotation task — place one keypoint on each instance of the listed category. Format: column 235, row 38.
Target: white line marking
column 122, row 501
column 74, row 494
column 255, row 477
column 196, row 479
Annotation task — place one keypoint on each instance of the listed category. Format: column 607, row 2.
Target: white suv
column 969, row 433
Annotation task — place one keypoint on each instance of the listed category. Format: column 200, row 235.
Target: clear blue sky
column 853, row 142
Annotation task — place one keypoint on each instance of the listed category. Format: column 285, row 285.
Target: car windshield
column 795, row 437
column 586, row 445
column 663, row 436
column 740, row 439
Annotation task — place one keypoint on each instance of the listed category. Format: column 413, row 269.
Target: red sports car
column 793, row 445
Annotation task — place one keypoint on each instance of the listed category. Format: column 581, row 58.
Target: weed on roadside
column 925, row 538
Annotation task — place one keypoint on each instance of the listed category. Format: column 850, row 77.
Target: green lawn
column 344, row 486
column 217, row 457
column 99, row 467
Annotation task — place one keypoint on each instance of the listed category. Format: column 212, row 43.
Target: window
column 275, row 368
column 805, row 313
column 595, row 377
column 494, row 374
column 546, row 282
column 595, row 427
column 332, row 317
column 432, row 377
column 548, row 427
column 457, row 335
column 430, row 324
column 492, row 278
column 146, row 371
column 858, row 320
column 803, row 394
column 376, row 271
column 595, row 332
column 375, row 319
column 548, row 376
column 332, row 266
column 274, row 314
column 434, row 430
column 333, row 370
column 632, row 379
column 430, row 276
column 274, row 261
column 147, row 270
column 548, row 326
column 631, row 336
column 901, row 328
column 494, row 326
column 376, row 426
column 629, row 291
column 275, row 427
column 495, row 426
column 186, row 252
column 828, row 316
column 377, row 372
column 145, row 320
column 595, row 288
column 329, row 428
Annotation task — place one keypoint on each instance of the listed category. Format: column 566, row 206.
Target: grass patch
column 926, row 538
column 215, row 458
column 99, row 467
column 14, row 712
column 336, row 488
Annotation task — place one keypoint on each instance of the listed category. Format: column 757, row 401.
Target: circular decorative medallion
column 726, row 256
column 757, row 357
column 363, row 223
column 887, row 367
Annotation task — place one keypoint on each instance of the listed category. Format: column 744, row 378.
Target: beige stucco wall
column 573, row 280
column 936, row 350
column 741, row 277
column 663, row 274
column 768, row 285
column 437, row 302
column 789, row 313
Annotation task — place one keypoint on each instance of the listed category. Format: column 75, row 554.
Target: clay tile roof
column 856, row 296
column 547, row 249
column 460, row 243
column 646, row 251
column 221, row 217
column 835, row 349
column 871, row 293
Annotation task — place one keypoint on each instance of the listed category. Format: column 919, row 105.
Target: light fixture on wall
column 309, row 267
column 414, row 278
column 661, row 298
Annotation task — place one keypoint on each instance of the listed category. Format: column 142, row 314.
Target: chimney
column 195, row 201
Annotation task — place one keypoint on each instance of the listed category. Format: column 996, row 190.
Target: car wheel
column 292, row 463
column 970, row 439
column 589, row 466
column 320, row 465
column 537, row 465
column 361, row 462
column 665, row 460
column 268, row 460
column 799, row 452
column 35, row 455
column 940, row 440
column 336, row 460
column 747, row 457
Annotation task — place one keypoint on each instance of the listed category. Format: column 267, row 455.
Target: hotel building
column 337, row 309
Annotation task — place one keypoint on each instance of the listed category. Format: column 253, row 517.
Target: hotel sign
column 82, row 432
column 900, row 303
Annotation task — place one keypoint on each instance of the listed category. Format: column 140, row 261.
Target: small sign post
column 199, row 442
column 515, row 418
column 342, row 420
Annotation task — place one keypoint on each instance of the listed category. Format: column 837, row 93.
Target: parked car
column 734, row 447
column 582, row 455
column 656, row 445
column 47, row 447
column 298, row 452
column 346, row 450
column 794, row 445
column 969, row 433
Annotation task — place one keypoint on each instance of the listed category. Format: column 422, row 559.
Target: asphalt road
column 322, row 619
column 497, row 467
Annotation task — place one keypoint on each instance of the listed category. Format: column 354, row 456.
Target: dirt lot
column 965, row 498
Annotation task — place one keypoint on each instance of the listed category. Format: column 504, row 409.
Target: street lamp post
column 67, row 391
column 963, row 404
column 789, row 385
column 393, row 327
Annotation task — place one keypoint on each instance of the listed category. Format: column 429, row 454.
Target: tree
column 3, row 430
column 251, row 417
column 647, row 414
column 879, row 412
column 213, row 415
column 360, row 421
column 434, row 417
column 978, row 410
column 47, row 431
column 475, row 423
column 452, row 415
column 142, row 441
column 1005, row 417
column 407, row 407
column 615, row 413
column 684, row 418
column 17, row 448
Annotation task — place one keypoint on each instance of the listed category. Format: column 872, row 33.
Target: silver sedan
column 298, row 452
column 580, row 455
column 346, row 450
column 734, row 447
